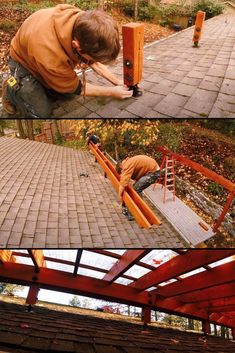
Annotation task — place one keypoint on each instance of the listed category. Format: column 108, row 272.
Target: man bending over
column 47, row 48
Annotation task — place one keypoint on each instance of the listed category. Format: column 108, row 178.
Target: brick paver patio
column 44, row 202
column 178, row 80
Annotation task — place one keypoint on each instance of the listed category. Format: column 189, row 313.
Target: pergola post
column 32, row 296
column 206, row 327
column 146, row 316
column 233, row 332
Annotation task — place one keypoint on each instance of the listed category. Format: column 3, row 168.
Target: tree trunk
column 190, row 324
column 101, row 4
column 215, row 330
column 20, row 128
column 116, row 151
column 58, row 136
column 222, row 332
column 136, row 5
column 29, row 125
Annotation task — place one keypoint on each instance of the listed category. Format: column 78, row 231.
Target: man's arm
column 119, row 92
column 103, row 71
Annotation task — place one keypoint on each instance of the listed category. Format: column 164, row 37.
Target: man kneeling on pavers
column 143, row 170
column 45, row 51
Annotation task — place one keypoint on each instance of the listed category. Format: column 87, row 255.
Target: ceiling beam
column 82, row 285
column 77, row 261
column 37, row 257
column 127, row 260
column 221, row 291
column 219, row 275
column 6, row 256
column 179, row 265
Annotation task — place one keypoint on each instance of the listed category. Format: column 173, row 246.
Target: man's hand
column 121, row 92
column 121, row 192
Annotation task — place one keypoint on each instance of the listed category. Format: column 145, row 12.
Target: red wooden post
column 225, row 210
column 146, row 316
column 206, row 327
column 32, row 294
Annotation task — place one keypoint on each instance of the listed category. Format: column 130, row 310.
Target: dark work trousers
column 143, row 183
column 29, row 96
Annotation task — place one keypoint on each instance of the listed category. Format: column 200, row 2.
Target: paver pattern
column 55, row 331
column 44, row 202
column 178, row 80
column 189, row 227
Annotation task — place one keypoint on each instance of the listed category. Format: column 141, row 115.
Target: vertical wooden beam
column 32, row 296
column 146, row 316
column 206, row 327
column 225, row 210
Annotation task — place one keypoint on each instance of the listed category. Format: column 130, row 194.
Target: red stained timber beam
column 218, row 304
column 37, row 257
column 221, row 291
column 179, row 265
column 216, row 276
column 128, row 259
column 142, row 213
column 6, row 256
column 83, row 285
column 227, row 184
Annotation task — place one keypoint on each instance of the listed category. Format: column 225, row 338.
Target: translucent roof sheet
column 158, row 257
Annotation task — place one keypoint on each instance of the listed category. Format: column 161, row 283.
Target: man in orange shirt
column 143, row 170
column 47, row 48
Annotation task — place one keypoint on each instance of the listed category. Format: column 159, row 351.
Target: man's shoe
column 130, row 217
column 6, row 104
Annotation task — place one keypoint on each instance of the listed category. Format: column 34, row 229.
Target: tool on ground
column 142, row 213
column 133, row 44
column 198, row 27
column 84, row 174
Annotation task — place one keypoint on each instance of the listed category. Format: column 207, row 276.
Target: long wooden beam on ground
column 142, row 213
column 179, row 265
column 127, row 260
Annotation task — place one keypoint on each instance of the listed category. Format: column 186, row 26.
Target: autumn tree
column 120, row 137
column 10, row 289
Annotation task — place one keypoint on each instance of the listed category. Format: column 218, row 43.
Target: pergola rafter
column 208, row 295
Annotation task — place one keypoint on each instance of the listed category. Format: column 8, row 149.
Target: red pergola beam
column 37, row 257
column 127, row 260
column 217, row 276
column 227, row 184
column 221, row 291
column 179, row 265
column 72, row 263
column 83, row 285
column 142, row 213
column 214, row 305
column 6, row 256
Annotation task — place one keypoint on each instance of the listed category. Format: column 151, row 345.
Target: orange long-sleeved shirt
column 43, row 45
column 136, row 167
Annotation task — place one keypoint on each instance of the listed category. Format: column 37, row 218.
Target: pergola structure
column 198, row 284
column 227, row 184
